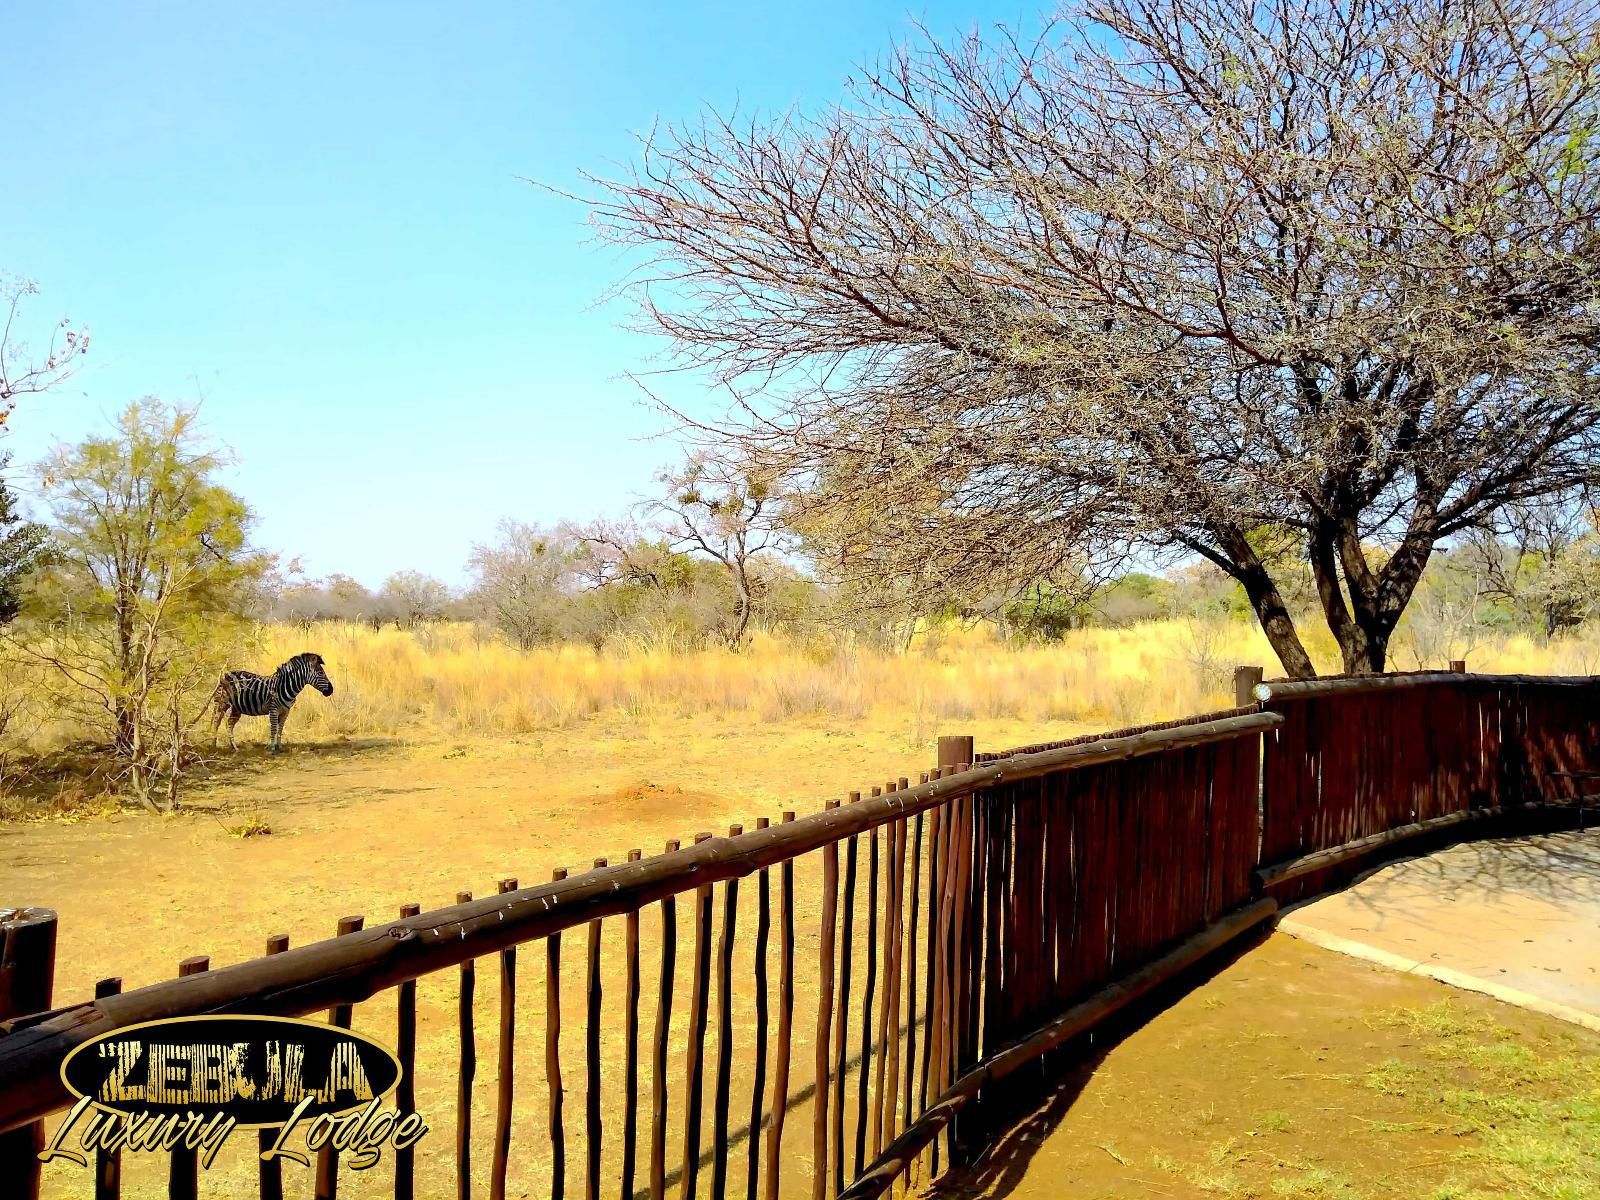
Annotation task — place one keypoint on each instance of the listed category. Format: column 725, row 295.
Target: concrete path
column 1517, row 918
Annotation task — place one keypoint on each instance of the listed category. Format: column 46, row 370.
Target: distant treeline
column 537, row 587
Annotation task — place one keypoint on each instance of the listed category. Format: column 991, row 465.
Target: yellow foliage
column 454, row 680
column 444, row 679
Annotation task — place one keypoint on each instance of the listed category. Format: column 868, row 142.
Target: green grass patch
column 1527, row 1107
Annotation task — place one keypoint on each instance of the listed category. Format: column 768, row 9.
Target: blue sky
column 309, row 218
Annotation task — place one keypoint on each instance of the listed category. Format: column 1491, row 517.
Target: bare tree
column 24, row 373
column 25, row 370
column 620, row 552
column 727, row 510
column 1174, row 274
column 522, row 581
column 1552, row 567
column 410, row 598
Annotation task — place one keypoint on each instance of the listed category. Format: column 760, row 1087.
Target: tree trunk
column 1273, row 614
column 127, row 732
column 1365, row 651
column 741, row 587
column 1278, row 625
column 1364, row 625
column 127, row 716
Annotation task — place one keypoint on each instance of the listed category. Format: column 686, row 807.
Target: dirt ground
column 1257, row 1083
column 365, row 826
column 1514, row 916
column 1297, row 1072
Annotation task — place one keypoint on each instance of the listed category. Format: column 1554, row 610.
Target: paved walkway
column 1518, row 918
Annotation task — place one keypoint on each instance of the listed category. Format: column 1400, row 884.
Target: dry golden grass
column 444, row 680
column 454, row 680
column 447, row 680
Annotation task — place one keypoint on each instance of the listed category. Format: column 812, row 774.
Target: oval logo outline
column 316, row 1031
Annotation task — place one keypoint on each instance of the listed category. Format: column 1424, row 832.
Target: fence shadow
column 1039, row 1104
column 1559, row 866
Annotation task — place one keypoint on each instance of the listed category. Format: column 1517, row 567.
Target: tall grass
column 456, row 680
column 450, row 679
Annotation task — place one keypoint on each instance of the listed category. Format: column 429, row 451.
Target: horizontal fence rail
column 1085, row 738
column 823, row 1005
column 1366, row 762
column 352, row 968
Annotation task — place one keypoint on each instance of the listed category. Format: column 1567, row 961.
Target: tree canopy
column 1262, row 283
column 150, row 563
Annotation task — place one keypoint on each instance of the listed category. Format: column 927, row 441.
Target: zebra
column 244, row 694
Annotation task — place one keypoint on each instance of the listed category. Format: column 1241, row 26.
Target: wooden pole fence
column 1023, row 921
column 349, row 969
column 27, row 985
column 894, row 1161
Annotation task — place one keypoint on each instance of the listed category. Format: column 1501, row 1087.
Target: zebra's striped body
column 245, row 694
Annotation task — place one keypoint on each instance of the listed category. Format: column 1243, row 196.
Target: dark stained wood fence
column 831, row 1027
column 1091, row 873
column 1357, row 760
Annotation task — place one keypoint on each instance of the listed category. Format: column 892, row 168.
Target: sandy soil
column 1520, row 913
column 363, row 828
column 1278, row 1078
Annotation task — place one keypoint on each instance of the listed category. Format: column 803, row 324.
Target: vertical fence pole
column 658, row 1079
column 930, row 966
column 327, row 1186
column 630, row 1082
column 467, row 1068
column 724, row 1077
column 841, row 1028
column 405, row 1096
column 780, row 1067
column 552, row 1056
column 889, row 1011
column 864, row 1071
column 938, row 960
column 183, row 1167
column 752, row 1175
column 107, row 1163
column 911, row 969
column 963, row 981
column 955, row 754
column 830, row 904
column 27, row 982
column 698, row 1006
column 504, row 1069
column 955, row 750
column 594, row 1125
column 1244, row 685
column 269, row 1171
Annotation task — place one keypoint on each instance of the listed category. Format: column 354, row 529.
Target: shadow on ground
column 82, row 779
column 1561, row 867
column 218, row 767
column 1007, row 1133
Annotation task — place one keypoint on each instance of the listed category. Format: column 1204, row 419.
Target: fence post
column 955, row 750
column 1244, row 685
column 1458, row 666
column 27, row 983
